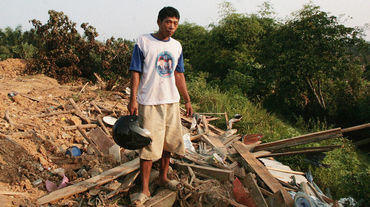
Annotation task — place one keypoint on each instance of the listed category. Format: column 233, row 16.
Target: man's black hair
column 168, row 12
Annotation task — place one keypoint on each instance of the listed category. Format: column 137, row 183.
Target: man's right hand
column 133, row 107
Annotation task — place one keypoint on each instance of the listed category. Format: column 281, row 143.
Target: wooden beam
column 102, row 141
column 125, row 186
column 85, row 185
column 219, row 174
column 262, row 172
column 164, row 198
column 354, row 128
column 286, row 171
column 303, row 139
column 82, row 126
column 55, row 113
column 92, row 143
column 102, row 125
column 307, row 151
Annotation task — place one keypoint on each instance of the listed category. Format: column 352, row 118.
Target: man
column 155, row 97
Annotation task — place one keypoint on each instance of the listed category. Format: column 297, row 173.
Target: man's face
column 168, row 26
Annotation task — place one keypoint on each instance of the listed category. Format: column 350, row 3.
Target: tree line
column 310, row 67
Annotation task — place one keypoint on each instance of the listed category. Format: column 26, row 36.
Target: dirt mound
column 12, row 67
column 33, row 146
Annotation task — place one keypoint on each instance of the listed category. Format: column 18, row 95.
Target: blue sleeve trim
column 180, row 64
column 137, row 60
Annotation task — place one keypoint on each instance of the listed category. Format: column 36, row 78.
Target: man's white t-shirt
column 157, row 61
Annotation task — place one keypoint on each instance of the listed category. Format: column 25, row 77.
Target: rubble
column 43, row 121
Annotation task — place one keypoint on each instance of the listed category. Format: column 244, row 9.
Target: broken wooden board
column 102, row 141
column 164, row 198
column 85, row 185
column 262, row 172
column 305, row 150
column 254, row 190
column 216, row 144
column 219, row 174
column 303, row 139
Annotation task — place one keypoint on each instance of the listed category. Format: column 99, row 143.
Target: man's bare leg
column 165, row 162
column 145, row 168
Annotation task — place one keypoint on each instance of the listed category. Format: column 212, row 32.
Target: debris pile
column 57, row 150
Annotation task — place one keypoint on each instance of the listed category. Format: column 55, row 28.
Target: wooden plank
column 262, row 172
column 303, row 139
column 85, row 185
column 255, row 192
column 164, row 198
column 354, row 128
column 91, row 142
column 100, row 121
column 125, row 186
column 308, row 148
column 286, row 171
column 83, row 126
column 261, row 153
column 216, row 144
column 307, row 151
column 55, row 113
column 205, row 124
column 102, row 141
column 219, row 174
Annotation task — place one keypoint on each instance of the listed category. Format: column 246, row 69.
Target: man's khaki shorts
column 164, row 123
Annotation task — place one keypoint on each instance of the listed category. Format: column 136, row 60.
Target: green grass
column 349, row 174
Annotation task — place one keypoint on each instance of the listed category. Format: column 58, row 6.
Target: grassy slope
column 349, row 174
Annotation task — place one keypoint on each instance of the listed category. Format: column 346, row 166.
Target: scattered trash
column 73, row 151
column 51, row 186
column 110, row 120
column 37, row 182
column 188, row 143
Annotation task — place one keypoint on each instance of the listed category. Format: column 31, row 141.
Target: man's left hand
column 189, row 109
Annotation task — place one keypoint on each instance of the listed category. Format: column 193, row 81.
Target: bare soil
column 33, row 147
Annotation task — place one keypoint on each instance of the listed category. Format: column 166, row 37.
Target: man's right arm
column 133, row 106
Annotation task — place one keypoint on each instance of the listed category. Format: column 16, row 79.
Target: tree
column 65, row 54
column 16, row 44
column 308, row 59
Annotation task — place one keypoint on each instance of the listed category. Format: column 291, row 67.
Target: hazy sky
column 128, row 19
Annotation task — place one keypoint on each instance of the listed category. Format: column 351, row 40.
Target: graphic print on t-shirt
column 164, row 64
